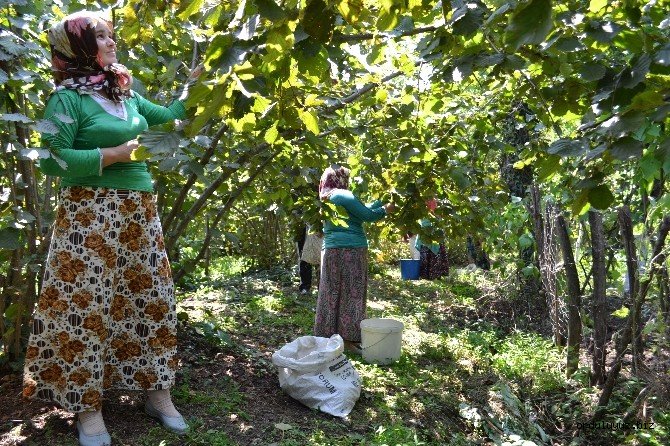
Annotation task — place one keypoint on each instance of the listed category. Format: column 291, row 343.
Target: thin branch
column 358, row 93
column 183, row 193
column 348, row 38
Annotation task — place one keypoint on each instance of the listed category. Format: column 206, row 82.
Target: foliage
column 413, row 96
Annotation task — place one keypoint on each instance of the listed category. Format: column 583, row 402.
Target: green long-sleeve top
column 352, row 235
column 91, row 127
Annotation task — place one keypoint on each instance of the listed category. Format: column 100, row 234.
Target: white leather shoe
column 102, row 439
column 174, row 424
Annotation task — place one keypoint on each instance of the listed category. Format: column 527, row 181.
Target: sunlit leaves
column 389, row 11
column 597, row 5
column 272, row 134
column 245, row 124
column 530, row 23
column 350, row 10
column 279, row 41
column 310, row 120
column 188, row 9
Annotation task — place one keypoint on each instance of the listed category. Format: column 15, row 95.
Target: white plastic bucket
column 381, row 340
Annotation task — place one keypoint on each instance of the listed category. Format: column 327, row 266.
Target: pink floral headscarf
column 333, row 178
column 75, row 61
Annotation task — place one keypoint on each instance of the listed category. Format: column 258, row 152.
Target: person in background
column 434, row 262
column 105, row 317
column 342, row 299
column 304, row 268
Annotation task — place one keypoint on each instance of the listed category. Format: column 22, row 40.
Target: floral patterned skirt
column 433, row 266
column 341, row 305
column 106, row 316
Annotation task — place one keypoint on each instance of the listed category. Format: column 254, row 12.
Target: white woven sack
column 311, row 250
column 314, row 371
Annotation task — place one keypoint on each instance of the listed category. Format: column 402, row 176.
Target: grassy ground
column 473, row 371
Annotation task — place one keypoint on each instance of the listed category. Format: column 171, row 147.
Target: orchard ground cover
column 476, row 369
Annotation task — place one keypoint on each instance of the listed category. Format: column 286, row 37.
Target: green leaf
column 64, row 118
column 35, row 154
column 592, row 71
column 319, row 21
column 547, row 167
column 600, row 197
column 621, row 125
column 637, row 72
column 647, row 100
column 245, row 124
column 272, row 134
column 192, row 8
column 525, row 241
column 350, row 10
column 10, row 238
column 11, row 311
column 407, row 152
column 466, row 20
column 141, row 153
column 650, row 166
column 621, row 313
column 15, row 117
column 581, row 203
column 388, row 15
column 270, row 10
column 597, row 5
column 45, row 126
column 310, row 120
column 567, row 147
column 157, row 141
column 626, row 148
column 529, row 24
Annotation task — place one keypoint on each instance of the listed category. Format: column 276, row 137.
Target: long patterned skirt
column 341, row 305
column 433, row 266
column 106, row 315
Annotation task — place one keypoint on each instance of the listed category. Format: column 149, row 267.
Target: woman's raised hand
column 196, row 72
column 119, row 154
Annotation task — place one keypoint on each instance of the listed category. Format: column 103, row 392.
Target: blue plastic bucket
column 409, row 269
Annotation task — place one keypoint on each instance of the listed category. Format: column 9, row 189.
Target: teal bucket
column 409, row 269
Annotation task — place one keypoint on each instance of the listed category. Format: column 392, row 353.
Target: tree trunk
column 545, row 239
column 599, row 307
column 626, row 227
column 639, row 297
column 664, row 293
column 574, row 299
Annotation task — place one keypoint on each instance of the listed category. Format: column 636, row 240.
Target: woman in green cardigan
column 105, row 317
column 341, row 305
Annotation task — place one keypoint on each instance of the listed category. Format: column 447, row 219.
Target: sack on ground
column 314, row 371
column 311, row 250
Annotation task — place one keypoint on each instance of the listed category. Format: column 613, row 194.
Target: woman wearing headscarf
column 105, row 317
column 341, row 305
column 434, row 262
